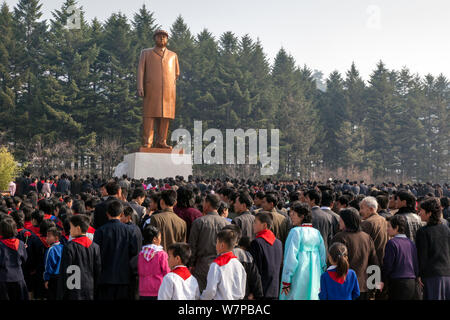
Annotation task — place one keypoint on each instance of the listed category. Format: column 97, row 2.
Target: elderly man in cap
column 156, row 81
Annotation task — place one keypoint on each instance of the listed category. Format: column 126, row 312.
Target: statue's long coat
column 157, row 74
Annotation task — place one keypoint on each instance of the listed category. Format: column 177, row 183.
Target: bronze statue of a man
column 156, row 81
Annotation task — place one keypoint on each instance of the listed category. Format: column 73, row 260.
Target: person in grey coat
column 202, row 238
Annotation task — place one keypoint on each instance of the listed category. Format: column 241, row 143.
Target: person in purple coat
column 400, row 264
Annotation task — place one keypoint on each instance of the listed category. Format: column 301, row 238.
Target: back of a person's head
column 237, row 232
column 228, row 237
column 149, row 234
column 351, row 218
column 45, row 225
column 79, row 207
column 339, row 253
column 302, row 210
column 315, row 195
column 382, row 201
column 182, row 250
column 169, row 197
column 46, row 206
column 18, row 217
column 185, row 197
column 265, row 217
column 213, row 200
column 398, row 221
column 115, row 208
column 408, row 196
column 112, row 188
column 80, row 220
column 8, row 228
column 138, row 193
column 328, row 198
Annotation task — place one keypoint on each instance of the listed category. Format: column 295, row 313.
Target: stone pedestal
column 155, row 162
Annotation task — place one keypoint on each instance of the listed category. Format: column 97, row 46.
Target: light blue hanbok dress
column 304, row 262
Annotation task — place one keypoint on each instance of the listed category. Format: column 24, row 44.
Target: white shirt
column 226, row 279
column 175, row 287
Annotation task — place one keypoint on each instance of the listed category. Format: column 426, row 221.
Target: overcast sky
column 323, row 34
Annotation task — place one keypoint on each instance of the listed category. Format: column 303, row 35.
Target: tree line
column 68, row 100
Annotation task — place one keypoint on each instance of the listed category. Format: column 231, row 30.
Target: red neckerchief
column 27, row 225
column 18, row 230
column 12, row 243
column 83, row 240
column 35, row 230
column 47, row 216
column 44, row 241
column 224, row 258
column 90, row 230
column 333, row 275
column 267, row 235
column 182, row 271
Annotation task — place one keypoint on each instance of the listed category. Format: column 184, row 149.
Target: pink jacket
column 152, row 267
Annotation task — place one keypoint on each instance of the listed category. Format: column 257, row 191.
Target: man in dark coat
column 114, row 192
column 244, row 219
column 405, row 202
column 320, row 220
column 63, row 184
column 84, row 254
column 118, row 245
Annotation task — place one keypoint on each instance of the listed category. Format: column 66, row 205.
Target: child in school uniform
column 52, row 262
column 338, row 282
column 267, row 251
column 83, row 253
column 226, row 278
column 152, row 265
column 179, row 284
column 12, row 256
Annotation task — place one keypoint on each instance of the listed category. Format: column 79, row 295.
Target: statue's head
column 161, row 37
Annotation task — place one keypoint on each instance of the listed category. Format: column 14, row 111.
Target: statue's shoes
column 164, row 145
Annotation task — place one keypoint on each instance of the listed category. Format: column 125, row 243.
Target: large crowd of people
column 86, row 238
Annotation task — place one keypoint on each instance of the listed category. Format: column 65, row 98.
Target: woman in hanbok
column 304, row 257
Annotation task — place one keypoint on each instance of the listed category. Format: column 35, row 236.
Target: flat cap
column 159, row 31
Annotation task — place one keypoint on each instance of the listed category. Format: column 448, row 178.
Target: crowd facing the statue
column 84, row 238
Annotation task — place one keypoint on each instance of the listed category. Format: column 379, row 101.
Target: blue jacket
column 52, row 260
column 334, row 288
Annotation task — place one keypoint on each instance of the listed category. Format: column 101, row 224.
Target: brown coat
column 376, row 227
column 171, row 226
column 156, row 75
column 361, row 253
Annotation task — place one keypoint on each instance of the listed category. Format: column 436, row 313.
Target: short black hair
column 236, row 229
column 55, row 232
column 149, row 233
column 19, row 218
column 182, row 250
column 112, row 188
column 138, row 193
column 382, row 201
column 302, row 209
column 271, row 197
column 46, row 206
column 344, row 199
column 80, row 220
column 265, row 217
column 115, row 208
column 213, row 200
column 328, row 198
column 169, row 197
column 245, row 198
column 8, row 228
column 38, row 216
column 79, row 207
column 228, row 237
column 409, row 197
column 127, row 211
column 398, row 221
column 315, row 195
column 44, row 226
column 351, row 218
